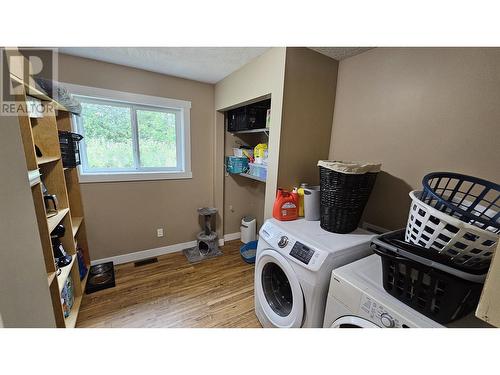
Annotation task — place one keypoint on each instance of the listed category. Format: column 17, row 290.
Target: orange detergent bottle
column 286, row 205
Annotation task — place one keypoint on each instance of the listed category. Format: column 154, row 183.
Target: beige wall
column 417, row 110
column 309, row 91
column 122, row 217
column 260, row 77
column 24, row 292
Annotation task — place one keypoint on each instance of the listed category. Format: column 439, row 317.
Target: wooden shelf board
column 73, row 315
column 76, row 222
column 65, row 271
column 50, row 277
column 47, row 159
column 252, row 177
column 263, row 130
column 36, row 93
column 56, row 219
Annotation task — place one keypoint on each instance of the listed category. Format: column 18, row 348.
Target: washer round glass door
column 278, row 290
column 353, row 322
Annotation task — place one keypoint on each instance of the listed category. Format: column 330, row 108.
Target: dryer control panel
column 287, row 245
column 302, row 252
column 381, row 315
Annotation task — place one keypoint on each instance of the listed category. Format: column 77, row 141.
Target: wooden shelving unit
column 63, row 182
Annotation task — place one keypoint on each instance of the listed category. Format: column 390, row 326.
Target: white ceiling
column 340, row 53
column 205, row 64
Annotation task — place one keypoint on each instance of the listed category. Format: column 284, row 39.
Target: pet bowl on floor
column 101, row 276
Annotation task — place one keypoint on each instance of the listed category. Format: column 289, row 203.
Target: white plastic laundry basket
column 464, row 243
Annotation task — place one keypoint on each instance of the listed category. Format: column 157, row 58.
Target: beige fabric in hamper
column 350, row 167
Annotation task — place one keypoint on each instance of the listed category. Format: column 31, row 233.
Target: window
column 131, row 137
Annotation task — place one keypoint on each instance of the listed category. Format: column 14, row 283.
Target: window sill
column 131, row 176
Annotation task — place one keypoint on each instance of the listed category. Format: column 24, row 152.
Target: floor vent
column 145, row 262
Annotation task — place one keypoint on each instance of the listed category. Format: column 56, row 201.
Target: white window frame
column 138, row 102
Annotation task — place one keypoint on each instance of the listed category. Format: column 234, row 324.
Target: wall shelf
column 252, row 177
column 264, row 130
column 56, row 219
column 47, row 159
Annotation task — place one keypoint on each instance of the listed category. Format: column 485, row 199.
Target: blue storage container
column 235, row 164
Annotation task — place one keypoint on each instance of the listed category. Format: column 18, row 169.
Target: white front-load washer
column 293, row 266
column 357, row 299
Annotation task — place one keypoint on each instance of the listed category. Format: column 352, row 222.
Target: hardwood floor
column 174, row 293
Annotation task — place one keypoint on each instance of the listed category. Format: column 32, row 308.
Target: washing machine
column 293, row 266
column 357, row 299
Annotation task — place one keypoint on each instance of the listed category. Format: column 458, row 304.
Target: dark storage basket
column 343, row 199
column 70, row 150
column 421, row 282
column 249, row 117
column 469, row 199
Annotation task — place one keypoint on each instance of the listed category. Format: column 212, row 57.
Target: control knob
column 283, row 242
column 387, row 320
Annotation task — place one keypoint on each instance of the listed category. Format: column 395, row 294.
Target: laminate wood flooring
column 174, row 293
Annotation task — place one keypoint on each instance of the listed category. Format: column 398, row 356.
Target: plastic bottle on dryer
column 300, row 192
column 285, row 206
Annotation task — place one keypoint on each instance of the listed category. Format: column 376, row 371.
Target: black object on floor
column 145, row 262
column 101, row 276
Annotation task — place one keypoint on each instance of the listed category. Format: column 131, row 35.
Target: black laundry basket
column 427, row 281
column 343, row 197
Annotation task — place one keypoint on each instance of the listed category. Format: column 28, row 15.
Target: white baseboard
column 144, row 254
column 139, row 255
column 232, row 236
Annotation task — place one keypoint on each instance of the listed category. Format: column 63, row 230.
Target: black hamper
column 427, row 281
column 344, row 192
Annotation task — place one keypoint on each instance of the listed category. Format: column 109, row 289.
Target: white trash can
column 248, row 229
column 311, row 203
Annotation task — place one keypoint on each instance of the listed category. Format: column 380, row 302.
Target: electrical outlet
column 159, row 232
